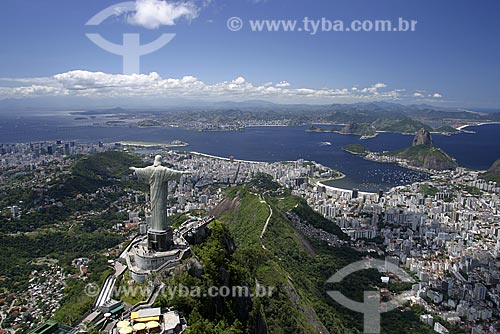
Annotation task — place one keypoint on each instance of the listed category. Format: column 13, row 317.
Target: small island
column 357, row 149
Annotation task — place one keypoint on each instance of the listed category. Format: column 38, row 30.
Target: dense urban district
column 69, row 210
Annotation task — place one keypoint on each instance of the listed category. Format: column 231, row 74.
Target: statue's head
column 157, row 161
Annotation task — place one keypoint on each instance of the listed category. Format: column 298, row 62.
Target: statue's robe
column 158, row 177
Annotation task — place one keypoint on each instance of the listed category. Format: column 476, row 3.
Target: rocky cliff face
column 422, row 137
column 436, row 162
column 350, row 128
column 493, row 173
column 423, row 154
column 495, row 168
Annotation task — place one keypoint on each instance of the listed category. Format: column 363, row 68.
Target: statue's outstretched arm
column 173, row 174
column 141, row 172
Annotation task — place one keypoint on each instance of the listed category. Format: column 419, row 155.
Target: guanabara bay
column 249, row 167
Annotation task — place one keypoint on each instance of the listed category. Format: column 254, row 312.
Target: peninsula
column 422, row 155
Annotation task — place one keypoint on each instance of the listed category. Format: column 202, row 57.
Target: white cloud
column 31, row 91
column 283, row 84
column 423, row 95
column 239, row 81
column 104, row 85
column 373, row 89
column 152, row 14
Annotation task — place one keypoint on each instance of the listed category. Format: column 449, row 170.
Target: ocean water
column 477, row 151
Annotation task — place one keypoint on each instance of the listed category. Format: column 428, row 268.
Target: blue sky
column 453, row 57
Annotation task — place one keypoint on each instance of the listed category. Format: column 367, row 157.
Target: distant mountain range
column 364, row 119
column 85, row 103
column 370, row 111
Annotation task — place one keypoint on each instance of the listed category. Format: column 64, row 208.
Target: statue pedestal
column 142, row 261
column 160, row 241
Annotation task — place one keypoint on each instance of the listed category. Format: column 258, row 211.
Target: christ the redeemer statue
column 158, row 176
